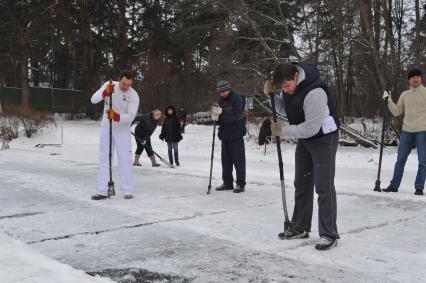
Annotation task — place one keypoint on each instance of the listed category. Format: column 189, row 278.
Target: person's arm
column 396, row 109
column 163, row 131
column 279, row 104
column 137, row 119
column 316, row 110
column 178, row 130
column 132, row 109
column 97, row 96
column 233, row 113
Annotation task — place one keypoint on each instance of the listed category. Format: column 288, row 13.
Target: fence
column 46, row 99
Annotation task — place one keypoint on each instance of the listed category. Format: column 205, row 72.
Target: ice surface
column 173, row 228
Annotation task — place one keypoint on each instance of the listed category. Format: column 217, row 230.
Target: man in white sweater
column 125, row 104
column 412, row 105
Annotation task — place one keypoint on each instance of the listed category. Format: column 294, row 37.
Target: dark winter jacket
column 265, row 131
column 146, row 125
column 293, row 104
column 182, row 115
column 171, row 130
column 231, row 122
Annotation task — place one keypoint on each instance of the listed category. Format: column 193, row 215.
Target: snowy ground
column 173, row 231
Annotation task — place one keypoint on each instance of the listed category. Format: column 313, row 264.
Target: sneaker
column 390, row 190
column 419, row 192
column 292, row 233
column 224, row 187
column 177, row 163
column 128, row 196
column 98, row 197
column 239, row 189
column 325, row 243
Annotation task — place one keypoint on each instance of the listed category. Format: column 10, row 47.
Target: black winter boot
column 224, row 187
column 239, row 189
column 98, row 197
column 390, row 190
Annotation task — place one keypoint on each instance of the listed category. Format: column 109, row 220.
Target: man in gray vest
column 307, row 103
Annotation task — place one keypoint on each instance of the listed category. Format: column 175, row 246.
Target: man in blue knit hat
column 229, row 113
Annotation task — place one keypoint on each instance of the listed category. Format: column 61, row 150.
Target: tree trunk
column 122, row 36
column 25, row 85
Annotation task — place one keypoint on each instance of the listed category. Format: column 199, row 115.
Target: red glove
column 108, row 90
column 112, row 115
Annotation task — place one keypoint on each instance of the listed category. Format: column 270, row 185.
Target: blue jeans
column 173, row 147
column 406, row 143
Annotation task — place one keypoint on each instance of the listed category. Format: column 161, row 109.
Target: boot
column 154, row 162
column 224, row 187
column 98, row 197
column 239, row 189
column 136, row 162
column 390, row 189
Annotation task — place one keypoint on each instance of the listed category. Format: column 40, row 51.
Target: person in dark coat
column 265, row 132
column 171, row 133
column 146, row 125
column 182, row 115
column 230, row 115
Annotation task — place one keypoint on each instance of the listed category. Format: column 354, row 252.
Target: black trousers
column 140, row 147
column 233, row 155
column 315, row 167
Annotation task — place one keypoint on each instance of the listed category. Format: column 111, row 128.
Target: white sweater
column 125, row 103
column 411, row 104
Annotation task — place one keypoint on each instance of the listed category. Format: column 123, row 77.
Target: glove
column 162, row 137
column 268, row 88
column 108, row 90
column 215, row 112
column 386, row 95
column 112, row 115
column 276, row 129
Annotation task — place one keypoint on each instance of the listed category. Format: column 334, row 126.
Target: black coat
column 182, row 115
column 232, row 125
column 171, row 130
column 146, row 125
column 265, row 132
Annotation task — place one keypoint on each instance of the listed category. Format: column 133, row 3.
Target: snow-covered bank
column 19, row 263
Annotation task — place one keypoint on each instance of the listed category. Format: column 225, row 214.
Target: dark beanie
column 414, row 72
column 223, row 86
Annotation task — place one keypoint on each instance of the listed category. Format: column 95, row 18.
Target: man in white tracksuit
column 125, row 104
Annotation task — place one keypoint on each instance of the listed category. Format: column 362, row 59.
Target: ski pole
column 382, row 141
column 156, row 154
column 287, row 223
column 211, row 161
column 111, row 191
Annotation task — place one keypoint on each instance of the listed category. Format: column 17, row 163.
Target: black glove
column 162, row 137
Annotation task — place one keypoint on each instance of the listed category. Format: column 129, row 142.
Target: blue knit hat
column 223, row 86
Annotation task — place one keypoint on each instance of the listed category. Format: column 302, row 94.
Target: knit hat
column 223, row 86
column 156, row 112
column 414, row 72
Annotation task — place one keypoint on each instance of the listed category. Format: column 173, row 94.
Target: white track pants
column 121, row 144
